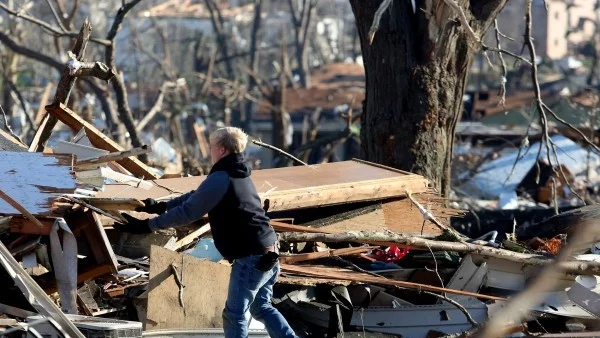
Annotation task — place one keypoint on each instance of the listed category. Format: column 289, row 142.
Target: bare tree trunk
column 278, row 96
column 253, row 64
column 118, row 83
column 302, row 30
column 416, row 69
column 219, row 27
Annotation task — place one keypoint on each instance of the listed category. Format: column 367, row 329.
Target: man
column 240, row 230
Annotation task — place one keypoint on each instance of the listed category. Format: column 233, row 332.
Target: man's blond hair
column 232, row 139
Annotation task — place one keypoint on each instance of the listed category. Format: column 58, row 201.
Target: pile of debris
column 363, row 248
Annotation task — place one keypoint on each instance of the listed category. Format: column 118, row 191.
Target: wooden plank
column 402, row 216
column 126, row 204
column 99, row 140
column 206, row 284
column 191, row 237
column 290, row 259
column 34, row 180
column 93, row 272
column 43, row 102
column 301, row 187
column 202, row 142
column 348, row 275
column 23, row 225
column 373, row 220
column 114, row 156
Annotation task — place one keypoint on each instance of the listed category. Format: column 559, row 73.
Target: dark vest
column 238, row 223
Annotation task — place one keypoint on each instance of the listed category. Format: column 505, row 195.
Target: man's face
column 217, row 152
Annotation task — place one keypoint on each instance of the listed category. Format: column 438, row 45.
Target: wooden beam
column 340, row 193
column 328, row 273
column 43, row 102
column 123, row 204
column 202, row 142
column 191, row 237
column 290, row 259
column 99, row 140
column 114, row 156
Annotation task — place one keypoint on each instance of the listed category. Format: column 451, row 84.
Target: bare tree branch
column 262, row 144
column 47, row 60
column 377, row 19
column 56, row 17
column 46, row 26
column 463, row 18
column 218, row 25
column 504, row 71
column 118, row 84
column 518, row 57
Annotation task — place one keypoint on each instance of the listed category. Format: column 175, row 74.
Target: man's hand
column 151, row 206
column 133, row 225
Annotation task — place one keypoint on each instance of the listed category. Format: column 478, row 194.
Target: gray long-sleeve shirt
column 190, row 207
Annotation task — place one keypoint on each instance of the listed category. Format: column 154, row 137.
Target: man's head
column 225, row 141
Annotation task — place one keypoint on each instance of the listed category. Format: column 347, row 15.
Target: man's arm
column 179, row 200
column 200, row 202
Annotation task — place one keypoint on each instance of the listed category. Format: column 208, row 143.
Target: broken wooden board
column 107, row 204
column 206, row 284
column 99, row 140
column 34, row 180
column 349, row 275
column 291, row 259
column 302, row 187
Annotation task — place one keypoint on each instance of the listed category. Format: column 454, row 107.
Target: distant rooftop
column 332, row 85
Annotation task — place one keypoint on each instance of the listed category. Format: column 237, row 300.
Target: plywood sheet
column 300, row 187
column 373, row 220
column 403, row 217
column 204, row 295
column 34, row 180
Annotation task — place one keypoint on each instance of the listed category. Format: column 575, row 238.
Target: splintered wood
column 34, row 180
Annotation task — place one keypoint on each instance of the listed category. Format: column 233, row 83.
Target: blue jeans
column 250, row 290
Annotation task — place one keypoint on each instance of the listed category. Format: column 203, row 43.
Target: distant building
column 557, row 30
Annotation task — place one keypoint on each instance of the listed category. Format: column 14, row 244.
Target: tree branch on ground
column 388, row 238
